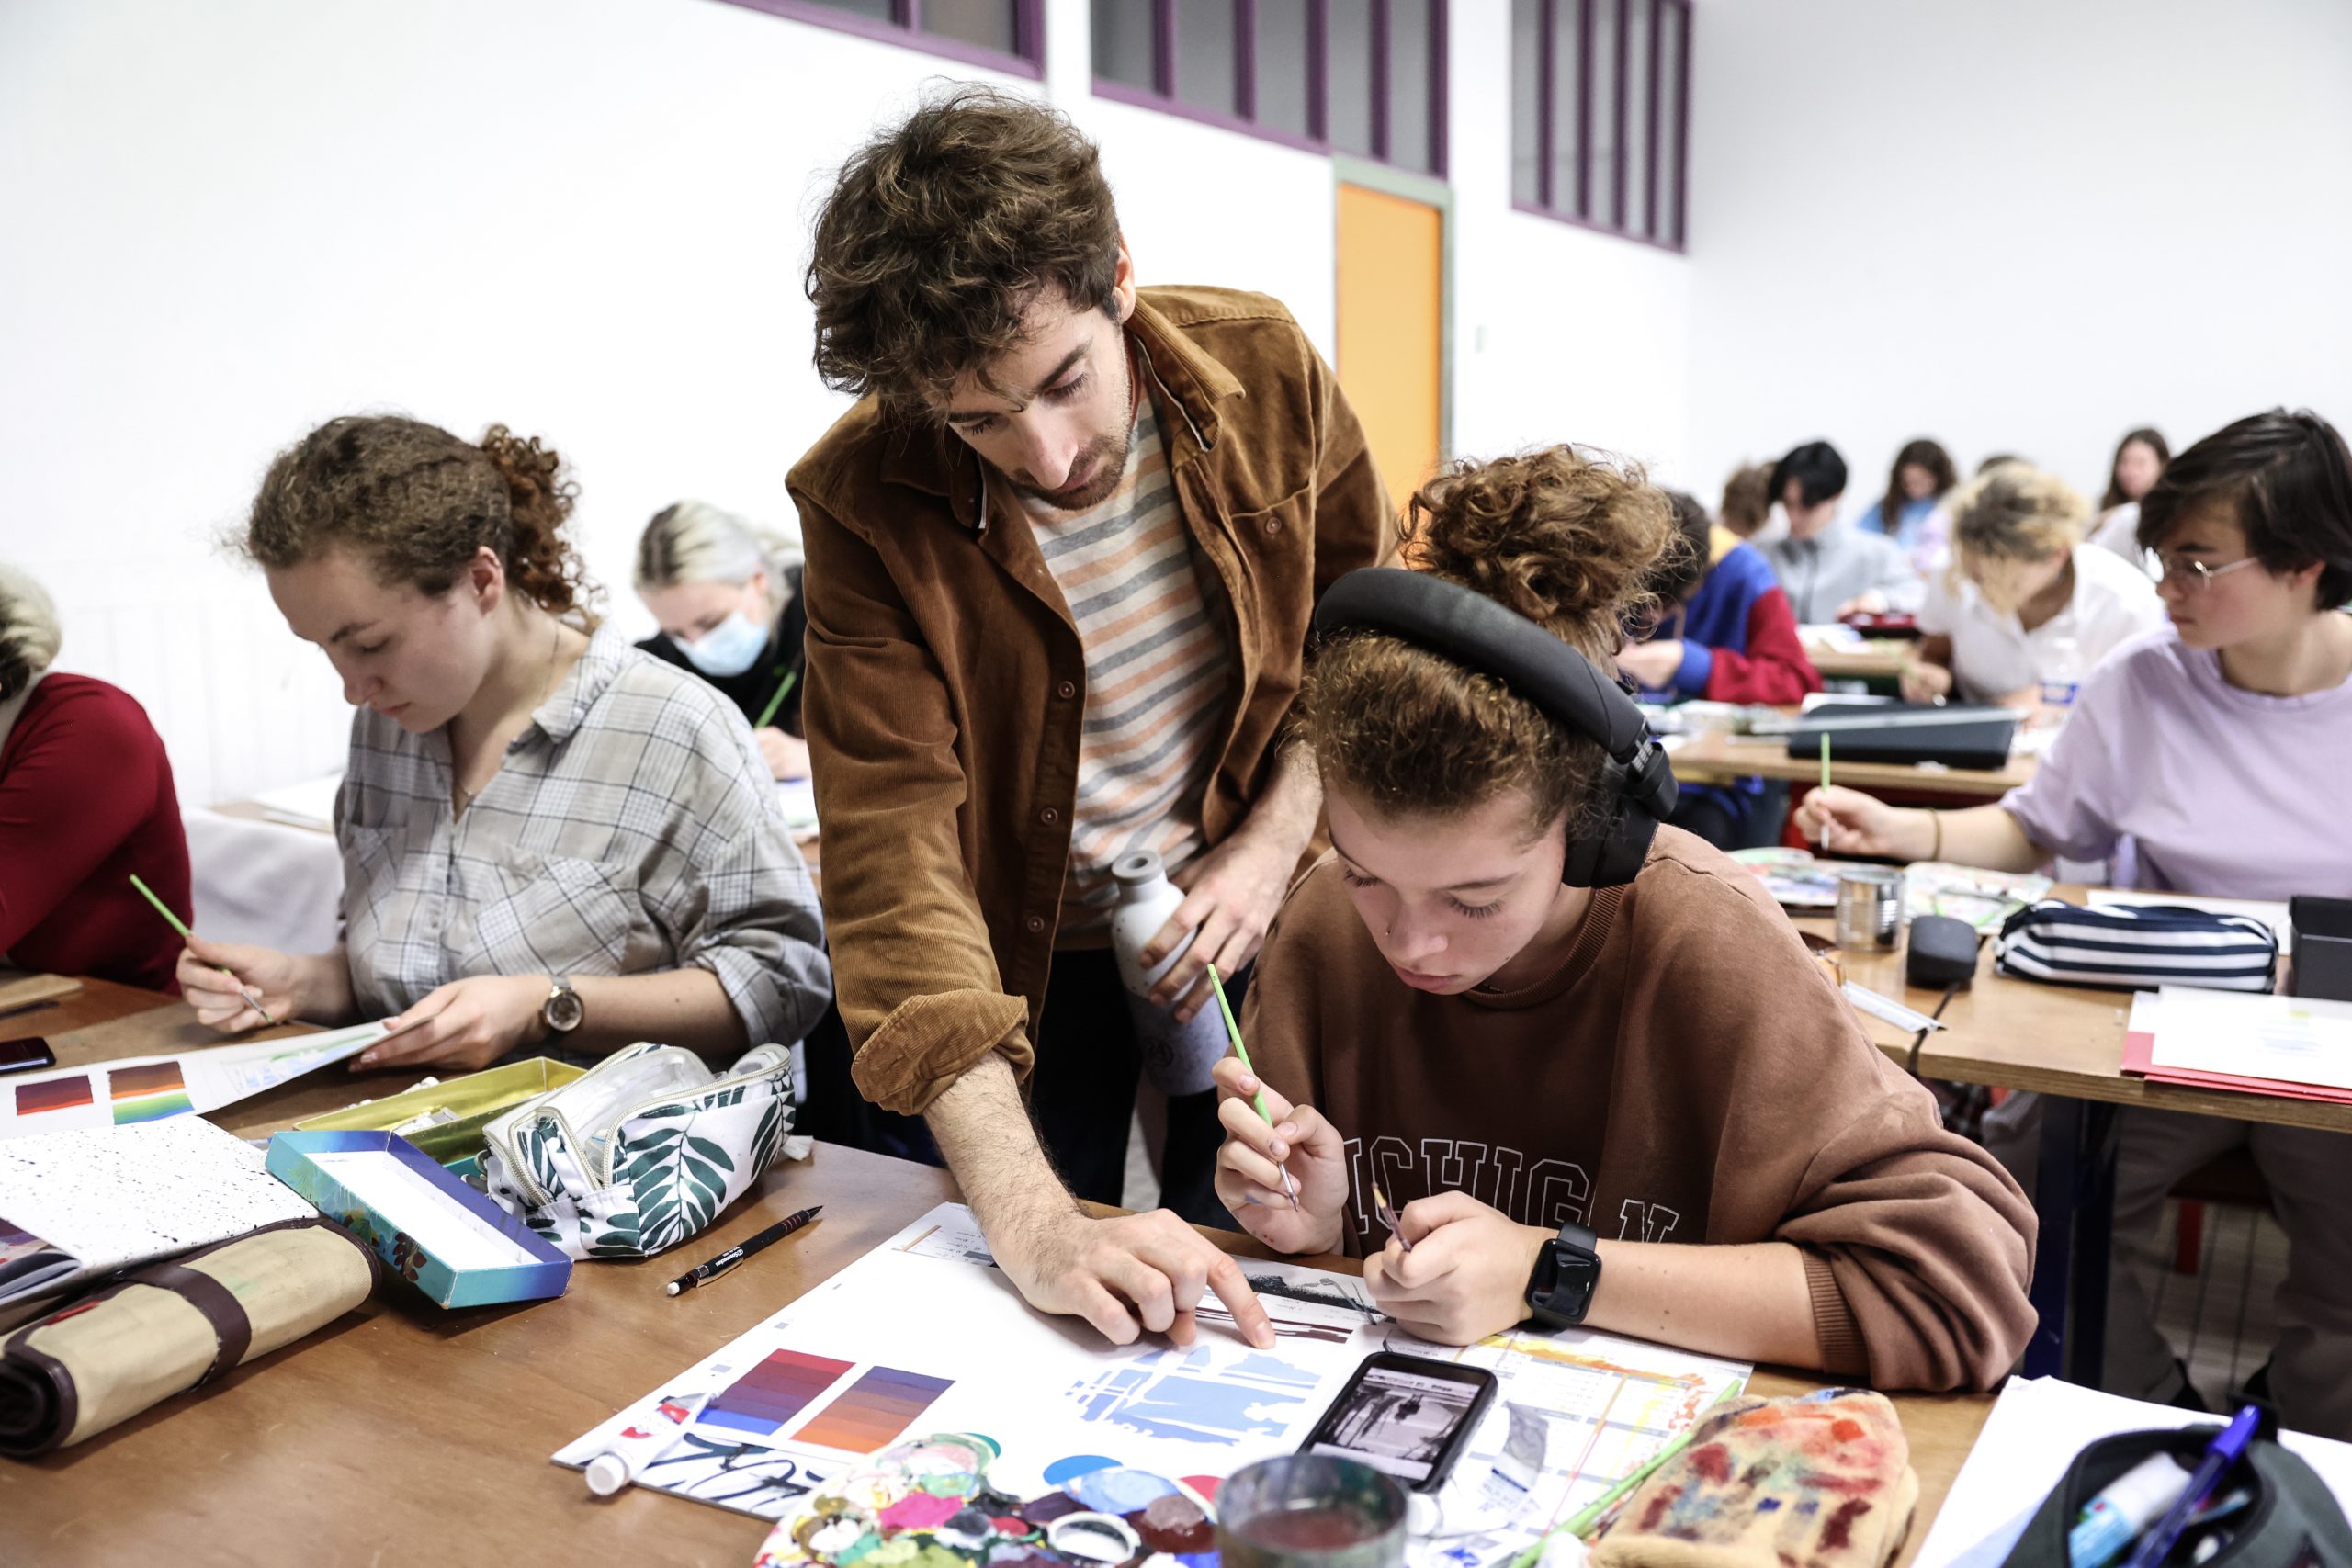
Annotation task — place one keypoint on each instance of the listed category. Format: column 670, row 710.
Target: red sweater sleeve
column 71, row 795
column 1774, row 668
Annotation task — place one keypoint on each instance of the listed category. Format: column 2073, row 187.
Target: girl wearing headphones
column 1638, row 1106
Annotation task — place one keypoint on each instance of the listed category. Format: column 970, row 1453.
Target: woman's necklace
column 466, row 797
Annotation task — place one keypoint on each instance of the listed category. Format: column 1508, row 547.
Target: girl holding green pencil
column 1635, row 1105
column 727, row 593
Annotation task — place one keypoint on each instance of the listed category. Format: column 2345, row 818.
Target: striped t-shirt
column 1156, row 674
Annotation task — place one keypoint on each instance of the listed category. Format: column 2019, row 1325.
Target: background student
column 727, row 595
column 2023, row 601
column 1508, row 1054
column 2140, row 460
column 1061, row 559
column 550, row 839
column 2216, row 749
column 1747, row 500
column 1922, row 475
column 1829, row 569
column 85, row 802
column 1726, row 635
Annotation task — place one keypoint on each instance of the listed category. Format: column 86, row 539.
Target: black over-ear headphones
column 1637, row 787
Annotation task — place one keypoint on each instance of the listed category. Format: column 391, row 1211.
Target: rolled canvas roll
column 136, row 1341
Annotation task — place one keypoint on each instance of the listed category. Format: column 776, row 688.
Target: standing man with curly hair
column 1062, row 560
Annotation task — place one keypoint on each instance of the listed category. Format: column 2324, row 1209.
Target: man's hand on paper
column 1651, row 665
column 1859, row 824
column 1467, row 1276
column 469, row 1024
column 1127, row 1275
column 1249, row 1167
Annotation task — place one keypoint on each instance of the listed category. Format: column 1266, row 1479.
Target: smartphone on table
column 23, row 1056
column 1406, row 1416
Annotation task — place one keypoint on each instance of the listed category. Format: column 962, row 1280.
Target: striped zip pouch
column 2137, row 948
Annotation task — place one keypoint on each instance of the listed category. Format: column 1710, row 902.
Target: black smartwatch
column 1567, row 1272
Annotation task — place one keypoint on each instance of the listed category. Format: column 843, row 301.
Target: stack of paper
column 2296, row 1046
column 79, row 1204
column 2035, row 1431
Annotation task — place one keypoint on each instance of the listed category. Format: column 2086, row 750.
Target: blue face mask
column 731, row 647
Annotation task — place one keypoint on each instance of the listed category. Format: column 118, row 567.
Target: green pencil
column 252, row 1001
column 776, row 702
column 1824, row 783
column 1233, row 1032
column 1584, row 1519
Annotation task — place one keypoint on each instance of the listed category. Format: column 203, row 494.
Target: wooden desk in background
column 2062, row 1040
column 1877, row 659
column 1716, row 756
column 403, row 1434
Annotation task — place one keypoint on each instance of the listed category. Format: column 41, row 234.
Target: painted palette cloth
column 1821, row 1481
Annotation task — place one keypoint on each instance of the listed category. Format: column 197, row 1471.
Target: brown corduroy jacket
column 946, row 681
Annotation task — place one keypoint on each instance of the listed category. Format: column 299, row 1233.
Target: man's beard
column 1108, row 455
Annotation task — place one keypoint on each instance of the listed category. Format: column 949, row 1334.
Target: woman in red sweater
column 85, row 801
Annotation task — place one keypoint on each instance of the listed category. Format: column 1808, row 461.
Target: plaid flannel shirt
column 632, row 828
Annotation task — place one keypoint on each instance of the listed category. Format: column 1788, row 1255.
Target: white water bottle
column 1177, row 1058
column 2061, row 677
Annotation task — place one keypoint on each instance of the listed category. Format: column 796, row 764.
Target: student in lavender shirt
column 2217, row 747
column 1831, row 569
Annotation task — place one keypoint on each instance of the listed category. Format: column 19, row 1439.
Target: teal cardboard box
column 430, row 1228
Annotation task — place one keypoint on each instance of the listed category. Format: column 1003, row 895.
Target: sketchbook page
column 2300, row 1040
column 2036, row 1428
column 114, row 1197
column 2273, row 915
column 134, row 1090
column 865, row 1359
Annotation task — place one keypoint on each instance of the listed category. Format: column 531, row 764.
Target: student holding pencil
column 2209, row 756
column 727, row 593
column 552, row 842
column 1576, row 1061
column 86, row 802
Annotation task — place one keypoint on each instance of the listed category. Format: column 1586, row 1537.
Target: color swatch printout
column 873, row 1412
column 149, row 1093
column 778, row 1387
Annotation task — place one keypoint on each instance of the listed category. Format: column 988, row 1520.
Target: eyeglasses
column 2195, row 575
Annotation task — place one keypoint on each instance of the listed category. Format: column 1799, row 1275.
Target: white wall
column 2014, row 224
column 587, row 218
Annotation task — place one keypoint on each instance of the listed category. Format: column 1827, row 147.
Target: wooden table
column 2062, row 1040
column 1877, row 659
column 1716, row 756
column 403, row 1434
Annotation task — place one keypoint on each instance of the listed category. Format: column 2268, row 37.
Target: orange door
column 1392, row 340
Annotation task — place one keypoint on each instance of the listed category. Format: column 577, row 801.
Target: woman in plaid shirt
column 550, row 841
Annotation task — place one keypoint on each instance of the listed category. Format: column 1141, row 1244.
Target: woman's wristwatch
column 1567, row 1272
column 563, row 1009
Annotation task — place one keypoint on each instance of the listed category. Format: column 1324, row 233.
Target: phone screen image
column 18, row 1055
column 1400, row 1419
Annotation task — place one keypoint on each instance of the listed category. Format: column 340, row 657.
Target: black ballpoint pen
column 703, row 1273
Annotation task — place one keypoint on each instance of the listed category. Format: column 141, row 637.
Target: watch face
column 564, row 1010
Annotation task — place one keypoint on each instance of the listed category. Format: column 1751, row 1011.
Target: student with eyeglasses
column 2216, row 749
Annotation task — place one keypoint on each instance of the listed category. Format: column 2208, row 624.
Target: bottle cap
column 1137, row 867
column 606, row 1474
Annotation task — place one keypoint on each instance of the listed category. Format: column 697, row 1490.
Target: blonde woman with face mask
column 2025, row 601
column 727, row 593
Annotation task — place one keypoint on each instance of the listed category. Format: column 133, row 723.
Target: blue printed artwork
column 1197, row 1396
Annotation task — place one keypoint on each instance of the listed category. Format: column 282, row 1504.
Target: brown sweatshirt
column 1686, row 1075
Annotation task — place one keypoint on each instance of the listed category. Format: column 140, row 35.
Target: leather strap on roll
column 215, row 1301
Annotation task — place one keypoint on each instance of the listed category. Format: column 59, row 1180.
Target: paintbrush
column 253, row 998
column 1233, row 1032
column 1388, row 1217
